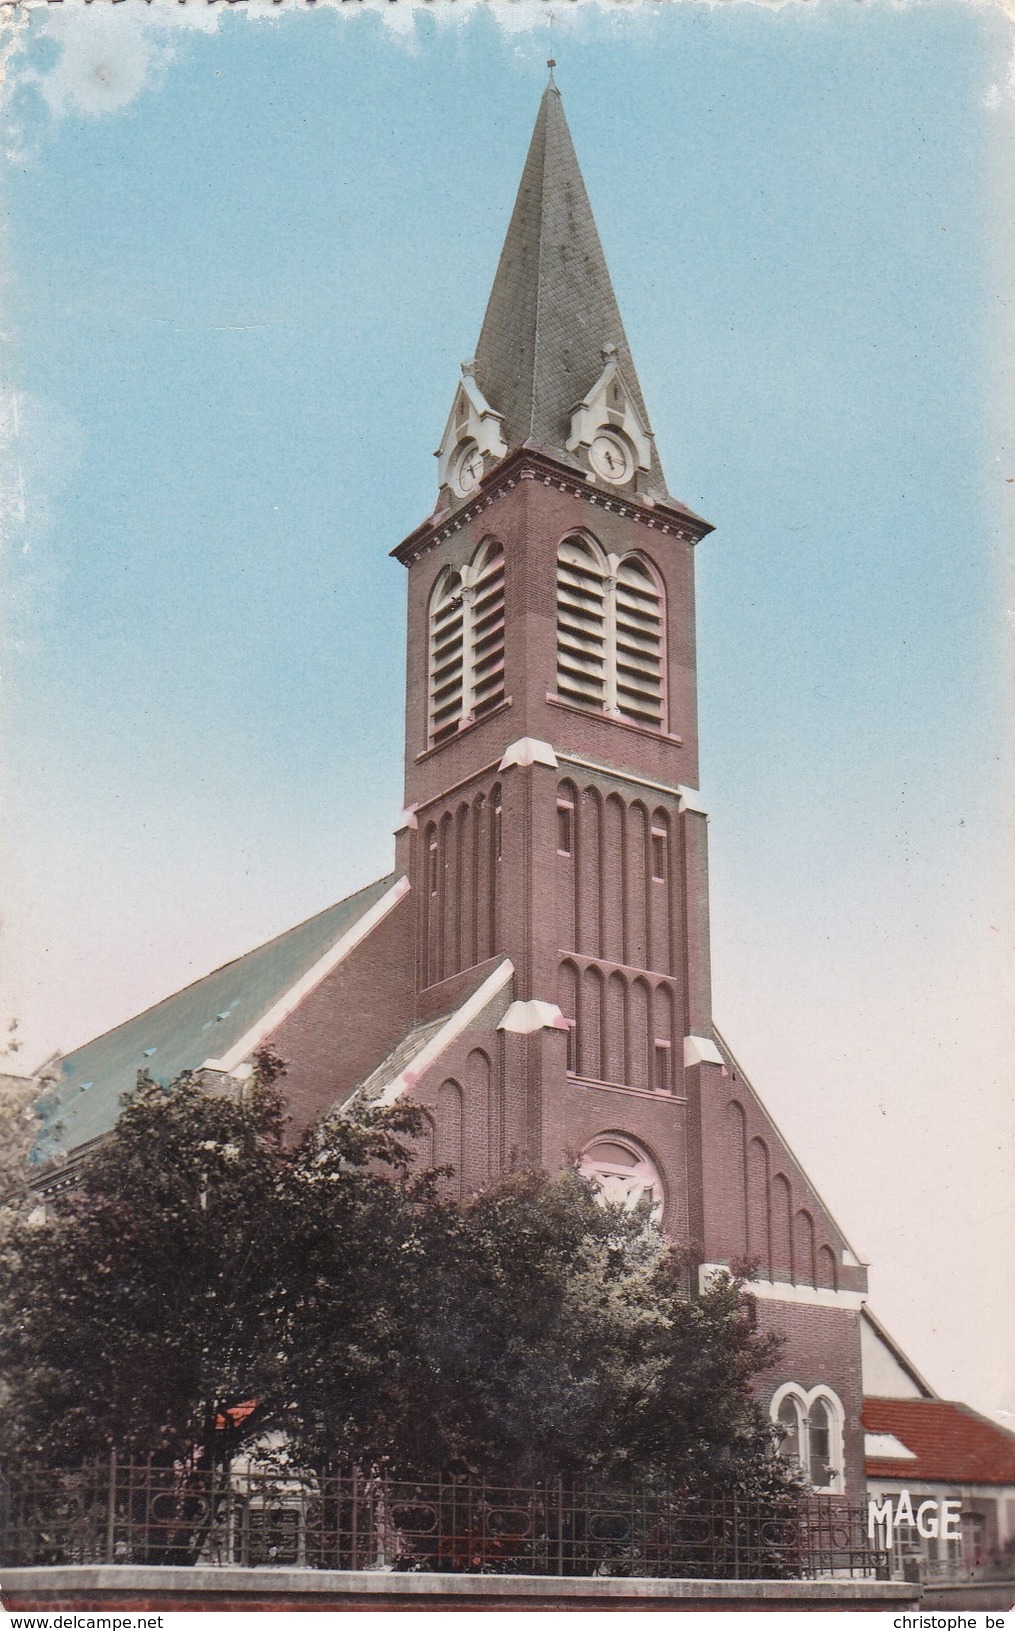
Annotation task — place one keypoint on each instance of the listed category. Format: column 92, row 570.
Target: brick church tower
column 535, row 971
column 552, row 812
column 551, row 744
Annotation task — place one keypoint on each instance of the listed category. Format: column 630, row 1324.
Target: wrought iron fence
column 353, row 1520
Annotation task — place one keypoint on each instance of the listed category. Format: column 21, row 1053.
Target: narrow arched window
column 610, row 633
column 486, row 630
column 810, row 1429
column 447, row 656
column 568, row 988
column 639, row 634
column 819, row 1443
column 790, row 1421
column 581, row 624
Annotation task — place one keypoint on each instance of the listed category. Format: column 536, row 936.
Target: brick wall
column 344, row 1027
column 756, row 1200
column 822, row 1347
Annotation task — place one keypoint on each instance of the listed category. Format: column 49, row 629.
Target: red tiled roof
column 952, row 1444
column 235, row 1415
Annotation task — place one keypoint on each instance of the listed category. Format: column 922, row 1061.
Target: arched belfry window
column 609, row 634
column 639, row 625
column 581, row 623
column 447, row 655
column 466, row 655
column 486, row 629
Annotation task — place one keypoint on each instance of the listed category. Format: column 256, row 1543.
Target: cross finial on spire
column 551, row 63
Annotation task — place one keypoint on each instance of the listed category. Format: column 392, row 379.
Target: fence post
column 736, row 1534
column 111, row 1508
column 354, row 1562
column 560, row 1525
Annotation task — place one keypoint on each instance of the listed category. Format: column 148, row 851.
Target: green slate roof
column 201, row 1022
column 552, row 308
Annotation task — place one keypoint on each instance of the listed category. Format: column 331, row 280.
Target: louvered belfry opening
column 639, row 629
column 609, row 634
column 487, row 629
column 447, row 656
column 581, row 624
column 467, row 642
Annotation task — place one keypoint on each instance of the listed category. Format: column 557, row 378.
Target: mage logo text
column 931, row 1519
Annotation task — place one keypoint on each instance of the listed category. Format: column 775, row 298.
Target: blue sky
column 248, row 253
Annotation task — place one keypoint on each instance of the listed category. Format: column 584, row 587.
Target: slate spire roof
column 552, row 308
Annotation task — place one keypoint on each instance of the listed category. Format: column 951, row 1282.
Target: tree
column 362, row 1224
column 360, row 1315
column 156, row 1297
column 554, row 1336
column 19, row 1126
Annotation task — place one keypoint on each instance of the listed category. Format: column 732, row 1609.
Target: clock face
column 610, row 457
column 467, row 468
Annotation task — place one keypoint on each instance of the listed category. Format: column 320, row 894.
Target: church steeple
column 553, row 368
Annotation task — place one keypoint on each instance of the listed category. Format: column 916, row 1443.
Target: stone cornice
column 528, row 464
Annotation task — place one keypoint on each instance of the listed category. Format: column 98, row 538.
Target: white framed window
column 572, row 1047
column 432, row 863
column 811, row 1433
column 609, row 633
column 466, row 643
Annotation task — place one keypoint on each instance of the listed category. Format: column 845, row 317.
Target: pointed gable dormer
column 473, row 439
column 553, row 369
column 608, row 430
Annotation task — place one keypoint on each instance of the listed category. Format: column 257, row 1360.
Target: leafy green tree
column 19, row 1126
column 156, row 1297
column 133, row 1314
column 361, row 1227
column 359, row 1315
column 554, row 1336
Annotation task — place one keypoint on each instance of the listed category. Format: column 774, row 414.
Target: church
column 534, row 971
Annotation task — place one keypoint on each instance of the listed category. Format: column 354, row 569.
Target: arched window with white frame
column 810, row 1427
column 610, row 634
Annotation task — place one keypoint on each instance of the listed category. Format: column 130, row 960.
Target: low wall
column 141, row 1589
column 969, row 1594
